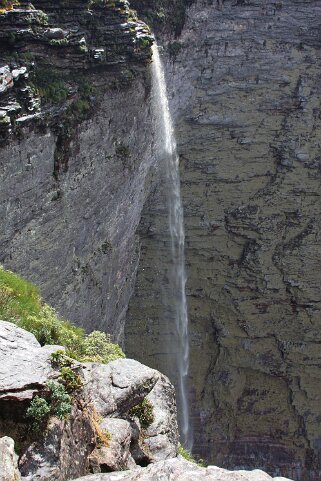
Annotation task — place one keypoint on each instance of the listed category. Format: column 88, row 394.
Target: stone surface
column 177, row 470
column 160, row 439
column 118, row 386
column 8, row 461
column 63, row 451
column 94, row 207
column 25, row 366
column 245, row 94
column 116, row 456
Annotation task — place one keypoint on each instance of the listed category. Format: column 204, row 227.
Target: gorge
column 84, row 201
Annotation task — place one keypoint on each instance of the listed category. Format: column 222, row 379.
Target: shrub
column 58, row 404
column 97, row 347
column 70, row 379
column 144, row 412
column 39, row 411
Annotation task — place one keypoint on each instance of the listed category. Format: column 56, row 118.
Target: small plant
column 38, row 411
column 59, row 359
column 58, row 404
column 71, row 380
column 60, row 400
column 186, row 454
column 144, row 412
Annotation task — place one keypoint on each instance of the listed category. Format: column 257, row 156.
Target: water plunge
column 176, row 297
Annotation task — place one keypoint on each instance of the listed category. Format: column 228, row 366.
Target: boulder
column 118, row 386
column 8, row 461
column 116, row 456
column 63, row 452
column 161, row 437
column 25, row 366
column 179, row 470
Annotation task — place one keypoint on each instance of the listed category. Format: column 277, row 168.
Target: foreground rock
column 179, row 470
column 8, row 461
column 24, row 365
column 116, row 456
column 63, row 452
column 160, row 439
column 118, row 386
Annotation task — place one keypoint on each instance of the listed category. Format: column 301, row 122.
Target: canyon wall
column 244, row 81
column 76, row 143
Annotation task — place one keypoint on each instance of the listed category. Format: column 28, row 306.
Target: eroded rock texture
column 75, row 153
column 245, row 92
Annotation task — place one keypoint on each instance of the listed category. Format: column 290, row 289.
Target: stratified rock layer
column 244, row 81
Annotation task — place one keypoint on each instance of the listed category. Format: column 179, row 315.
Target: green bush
column 144, row 412
column 97, row 347
column 20, row 303
column 38, row 411
column 58, row 404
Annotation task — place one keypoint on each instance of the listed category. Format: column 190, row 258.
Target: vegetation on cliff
column 21, row 304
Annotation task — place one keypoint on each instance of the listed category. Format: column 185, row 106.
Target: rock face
column 8, row 461
column 76, row 156
column 180, row 470
column 118, row 386
column 63, row 452
column 24, row 365
column 245, row 93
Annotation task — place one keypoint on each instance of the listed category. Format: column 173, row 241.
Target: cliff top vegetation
column 21, row 304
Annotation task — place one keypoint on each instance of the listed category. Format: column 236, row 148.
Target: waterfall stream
column 177, row 275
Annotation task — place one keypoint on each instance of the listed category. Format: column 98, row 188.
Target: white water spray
column 168, row 151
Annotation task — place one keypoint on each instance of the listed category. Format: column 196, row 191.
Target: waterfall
column 166, row 145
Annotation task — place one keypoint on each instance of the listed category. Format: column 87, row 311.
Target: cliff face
column 76, row 148
column 244, row 81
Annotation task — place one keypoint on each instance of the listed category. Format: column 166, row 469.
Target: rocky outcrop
column 117, row 456
column 63, row 452
column 25, row 366
column 160, row 439
column 102, row 431
column 183, row 471
column 244, row 89
column 8, row 461
column 118, row 386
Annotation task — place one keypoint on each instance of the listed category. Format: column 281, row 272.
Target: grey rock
column 118, row 386
column 8, row 461
column 116, row 456
column 63, row 451
column 55, row 33
column 160, row 439
column 178, row 470
column 25, row 366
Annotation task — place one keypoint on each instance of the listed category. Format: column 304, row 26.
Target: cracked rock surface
column 244, row 88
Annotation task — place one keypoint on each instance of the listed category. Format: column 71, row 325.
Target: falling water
column 167, row 146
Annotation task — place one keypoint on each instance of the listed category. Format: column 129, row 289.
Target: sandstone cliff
column 75, row 151
column 245, row 92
